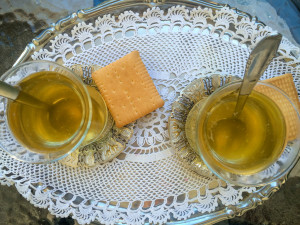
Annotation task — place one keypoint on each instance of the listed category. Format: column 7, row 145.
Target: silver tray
column 115, row 7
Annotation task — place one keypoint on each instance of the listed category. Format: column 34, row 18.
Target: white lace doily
column 147, row 182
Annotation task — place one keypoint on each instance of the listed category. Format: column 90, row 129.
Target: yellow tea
column 99, row 116
column 249, row 143
column 51, row 129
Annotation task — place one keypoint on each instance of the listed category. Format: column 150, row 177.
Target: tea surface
column 246, row 144
column 49, row 130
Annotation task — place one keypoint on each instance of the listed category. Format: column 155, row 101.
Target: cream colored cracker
column 128, row 89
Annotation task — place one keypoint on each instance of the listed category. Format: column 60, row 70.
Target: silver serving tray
column 115, row 7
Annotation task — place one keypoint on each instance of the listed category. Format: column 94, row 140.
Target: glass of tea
column 76, row 114
column 255, row 148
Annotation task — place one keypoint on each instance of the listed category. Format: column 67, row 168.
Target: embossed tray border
column 250, row 202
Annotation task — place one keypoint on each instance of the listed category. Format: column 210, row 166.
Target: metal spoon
column 257, row 63
column 17, row 95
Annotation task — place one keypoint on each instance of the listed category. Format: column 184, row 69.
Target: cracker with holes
column 286, row 84
column 128, row 89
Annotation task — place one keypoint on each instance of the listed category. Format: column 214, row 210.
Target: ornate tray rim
column 110, row 5
column 250, row 202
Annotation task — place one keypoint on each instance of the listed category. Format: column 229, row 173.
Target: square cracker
column 286, row 84
column 127, row 89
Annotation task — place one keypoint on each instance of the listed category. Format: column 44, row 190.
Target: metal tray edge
column 251, row 202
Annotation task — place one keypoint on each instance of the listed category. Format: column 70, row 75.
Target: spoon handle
column 8, row 91
column 17, row 95
column 257, row 63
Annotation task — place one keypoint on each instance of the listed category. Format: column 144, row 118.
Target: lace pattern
column 148, row 182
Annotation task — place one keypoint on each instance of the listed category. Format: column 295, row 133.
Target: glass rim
column 106, row 116
column 228, row 179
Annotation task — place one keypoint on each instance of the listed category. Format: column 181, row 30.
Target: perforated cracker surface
column 286, row 84
column 128, row 89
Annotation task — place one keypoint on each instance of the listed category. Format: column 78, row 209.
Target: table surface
column 21, row 21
